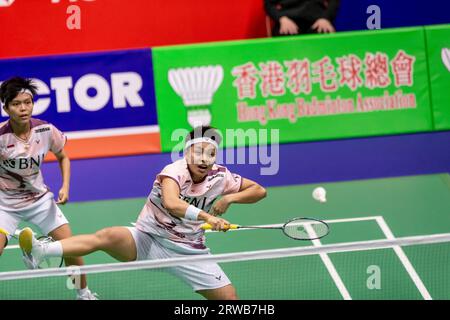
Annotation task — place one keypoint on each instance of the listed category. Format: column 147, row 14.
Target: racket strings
column 305, row 229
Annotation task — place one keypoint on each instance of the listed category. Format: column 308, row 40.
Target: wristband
column 192, row 213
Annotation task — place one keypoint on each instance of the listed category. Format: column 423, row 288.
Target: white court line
column 404, row 259
column 329, row 265
column 112, row 132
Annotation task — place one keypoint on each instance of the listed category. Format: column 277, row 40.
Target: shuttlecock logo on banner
column 196, row 87
column 6, row 3
column 445, row 55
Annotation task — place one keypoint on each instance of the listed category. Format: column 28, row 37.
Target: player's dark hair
column 10, row 88
column 204, row 131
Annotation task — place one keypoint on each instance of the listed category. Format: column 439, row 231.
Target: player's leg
column 225, row 293
column 207, row 279
column 115, row 241
column 49, row 218
column 9, row 222
column 63, row 232
column 3, row 242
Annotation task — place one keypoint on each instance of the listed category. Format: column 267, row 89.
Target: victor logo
column 42, row 130
column 122, row 89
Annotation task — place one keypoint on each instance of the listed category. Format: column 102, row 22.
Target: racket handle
column 3, row 231
column 207, row 226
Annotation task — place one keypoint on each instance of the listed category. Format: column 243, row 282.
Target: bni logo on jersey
column 196, row 86
column 6, row 3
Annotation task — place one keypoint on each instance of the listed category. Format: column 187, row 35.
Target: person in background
column 24, row 143
column 293, row 17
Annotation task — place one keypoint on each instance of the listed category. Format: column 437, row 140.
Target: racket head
column 51, row 262
column 303, row 228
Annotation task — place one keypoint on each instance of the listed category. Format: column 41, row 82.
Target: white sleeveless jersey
column 21, row 181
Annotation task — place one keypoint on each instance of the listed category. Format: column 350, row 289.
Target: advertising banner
column 104, row 102
column 438, row 47
column 44, row 27
column 309, row 88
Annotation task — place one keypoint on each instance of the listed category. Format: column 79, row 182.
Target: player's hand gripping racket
column 297, row 228
column 53, row 262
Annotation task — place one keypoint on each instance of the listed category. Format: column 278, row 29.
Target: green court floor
column 357, row 210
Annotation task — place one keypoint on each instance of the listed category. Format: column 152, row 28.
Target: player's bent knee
column 108, row 237
column 104, row 237
column 225, row 293
column 230, row 295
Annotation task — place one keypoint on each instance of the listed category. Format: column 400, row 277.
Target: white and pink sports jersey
column 21, row 181
column 179, row 233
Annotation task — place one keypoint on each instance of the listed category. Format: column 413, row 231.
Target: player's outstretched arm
column 170, row 199
column 250, row 192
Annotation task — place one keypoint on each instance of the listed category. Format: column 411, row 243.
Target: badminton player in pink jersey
column 24, row 143
column 169, row 225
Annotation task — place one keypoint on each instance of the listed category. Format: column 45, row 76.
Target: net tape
column 231, row 257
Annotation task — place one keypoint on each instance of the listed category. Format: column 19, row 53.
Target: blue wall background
column 300, row 163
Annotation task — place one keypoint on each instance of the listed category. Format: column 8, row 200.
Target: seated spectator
column 301, row 16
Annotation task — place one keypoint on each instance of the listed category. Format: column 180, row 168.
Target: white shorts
column 203, row 276
column 44, row 213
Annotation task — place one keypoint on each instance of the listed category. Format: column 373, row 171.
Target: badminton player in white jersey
column 169, row 225
column 24, row 143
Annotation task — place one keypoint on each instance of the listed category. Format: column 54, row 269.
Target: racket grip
column 207, row 226
column 3, row 231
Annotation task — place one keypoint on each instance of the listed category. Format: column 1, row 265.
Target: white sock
column 81, row 292
column 54, row 249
